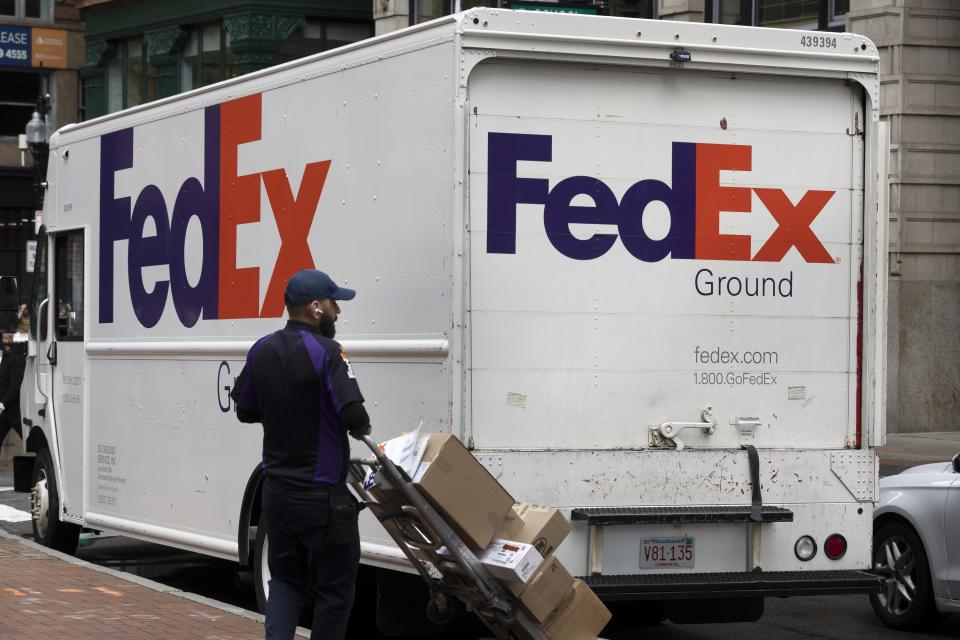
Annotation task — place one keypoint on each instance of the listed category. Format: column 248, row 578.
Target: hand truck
column 421, row 532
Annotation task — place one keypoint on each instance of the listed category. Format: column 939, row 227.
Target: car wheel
column 906, row 599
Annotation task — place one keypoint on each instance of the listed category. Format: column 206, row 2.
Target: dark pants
column 10, row 421
column 303, row 563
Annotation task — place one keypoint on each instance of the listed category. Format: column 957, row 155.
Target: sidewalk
column 45, row 594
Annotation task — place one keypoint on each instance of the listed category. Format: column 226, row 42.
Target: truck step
column 612, row 516
column 725, row 585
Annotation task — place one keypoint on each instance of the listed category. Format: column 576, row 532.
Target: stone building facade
column 919, row 43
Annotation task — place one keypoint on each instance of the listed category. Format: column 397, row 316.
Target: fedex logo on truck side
column 695, row 200
column 221, row 202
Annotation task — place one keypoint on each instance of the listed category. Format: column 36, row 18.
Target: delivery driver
column 299, row 384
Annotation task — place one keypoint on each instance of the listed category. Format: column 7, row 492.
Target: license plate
column 667, row 553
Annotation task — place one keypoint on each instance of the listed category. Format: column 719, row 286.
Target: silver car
column 916, row 545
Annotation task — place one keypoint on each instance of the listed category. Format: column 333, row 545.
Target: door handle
column 52, row 354
column 36, row 368
column 671, row 429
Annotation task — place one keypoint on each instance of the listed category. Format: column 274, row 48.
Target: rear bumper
column 685, row 586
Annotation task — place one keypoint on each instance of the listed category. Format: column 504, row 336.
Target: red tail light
column 835, row 546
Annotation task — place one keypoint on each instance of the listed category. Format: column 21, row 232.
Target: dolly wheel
column 506, row 616
column 440, row 610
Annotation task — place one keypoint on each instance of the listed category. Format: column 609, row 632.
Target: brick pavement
column 45, row 595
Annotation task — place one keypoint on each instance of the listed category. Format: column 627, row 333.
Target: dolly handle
column 375, row 448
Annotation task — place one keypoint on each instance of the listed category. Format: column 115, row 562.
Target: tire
column 48, row 529
column 906, row 601
column 261, row 570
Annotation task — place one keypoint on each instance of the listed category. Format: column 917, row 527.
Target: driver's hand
column 360, row 433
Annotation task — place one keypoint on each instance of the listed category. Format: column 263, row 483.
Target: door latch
column 746, row 426
column 666, row 432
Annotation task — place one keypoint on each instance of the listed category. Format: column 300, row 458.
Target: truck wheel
column 261, row 570
column 906, row 599
column 48, row 529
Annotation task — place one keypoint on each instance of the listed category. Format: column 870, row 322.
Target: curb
column 144, row 582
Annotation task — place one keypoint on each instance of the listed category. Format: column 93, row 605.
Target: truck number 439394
column 824, row 42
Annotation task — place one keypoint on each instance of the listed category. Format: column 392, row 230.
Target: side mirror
column 956, row 463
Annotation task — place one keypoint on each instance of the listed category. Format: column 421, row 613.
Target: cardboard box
column 511, row 562
column 461, row 489
column 543, row 527
column 545, row 591
column 580, row 617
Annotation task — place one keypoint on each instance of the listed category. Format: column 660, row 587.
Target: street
column 826, row 617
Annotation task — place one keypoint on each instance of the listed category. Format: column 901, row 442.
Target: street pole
column 38, row 141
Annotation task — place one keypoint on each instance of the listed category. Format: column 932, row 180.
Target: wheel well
column 887, row 518
column 249, row 517
column 880, row 521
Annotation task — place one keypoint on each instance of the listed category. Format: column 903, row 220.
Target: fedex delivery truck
column 638, row 267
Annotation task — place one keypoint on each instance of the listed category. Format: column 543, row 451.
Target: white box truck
column 637, row 266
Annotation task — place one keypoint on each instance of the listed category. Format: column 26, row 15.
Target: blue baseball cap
column 308, row 285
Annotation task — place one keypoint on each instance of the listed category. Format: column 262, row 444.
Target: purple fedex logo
column 695, row 199
column 220, row 203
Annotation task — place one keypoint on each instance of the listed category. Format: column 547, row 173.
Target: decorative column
column 682, row 10
column 163, row 48
column 94, row 74
column 255, row 37
column 390, row 15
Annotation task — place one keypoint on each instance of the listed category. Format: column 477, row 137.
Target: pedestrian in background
column 299, row 384
column 11, row 377
column 23, row 323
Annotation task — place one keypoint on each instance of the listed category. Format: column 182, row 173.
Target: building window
column 787, row 13
column 211, row 56
column 189, row 61
column 633, row 8
column 725, row 11
column 115, row 80
column 790, row 14
column 27, row 9
column 134, row 79
column 424, row 10
column 18, row 99
column 838, row 13
column 130, row 81
column 320, row 35
column 206, row 58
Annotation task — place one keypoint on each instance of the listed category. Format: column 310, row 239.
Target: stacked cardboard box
column 565, row 608
column 515, row 542
column 461, row 489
